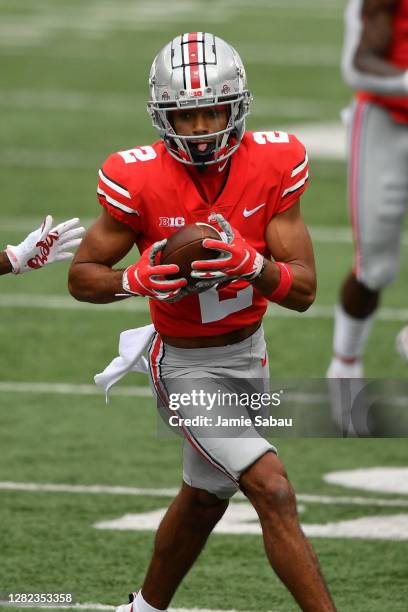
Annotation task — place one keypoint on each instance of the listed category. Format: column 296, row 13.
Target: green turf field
column 73, row 89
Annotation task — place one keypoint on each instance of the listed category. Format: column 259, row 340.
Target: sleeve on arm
column 113, row 192
column 365, row 81
column 383, row 85
column 295, row 175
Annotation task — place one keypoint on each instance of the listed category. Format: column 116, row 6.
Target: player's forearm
column 370, row 63
column 5, row 265
column 368, row 72
column 303, row 288
column 368, row 39
column 95, row 283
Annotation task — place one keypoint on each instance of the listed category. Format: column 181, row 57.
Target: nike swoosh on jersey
column 221, row 168
column 248, row 213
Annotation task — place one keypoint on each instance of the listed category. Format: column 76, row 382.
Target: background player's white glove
column 401, row 343
column 45, row 245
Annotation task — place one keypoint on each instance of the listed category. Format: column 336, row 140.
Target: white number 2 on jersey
column 214, row 309
column 140, row 154
column 264, row 137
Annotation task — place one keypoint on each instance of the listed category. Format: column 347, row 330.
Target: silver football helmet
column 198, row 70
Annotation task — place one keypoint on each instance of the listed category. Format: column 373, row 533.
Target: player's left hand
column 238, row 259
column 45, row 246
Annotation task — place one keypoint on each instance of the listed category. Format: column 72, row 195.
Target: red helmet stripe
column 193, row 61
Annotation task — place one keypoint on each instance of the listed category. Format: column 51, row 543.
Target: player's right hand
column 147, row 278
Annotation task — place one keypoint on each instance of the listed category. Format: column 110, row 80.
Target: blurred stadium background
column 73, row 89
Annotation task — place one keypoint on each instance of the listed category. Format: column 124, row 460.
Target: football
column 186, row 246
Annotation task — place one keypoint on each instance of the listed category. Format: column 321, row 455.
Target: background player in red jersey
column 42, row 247
column 375, row 64
column 207, row 169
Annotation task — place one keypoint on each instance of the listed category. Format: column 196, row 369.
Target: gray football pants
column 377, row 192
column 214, row 456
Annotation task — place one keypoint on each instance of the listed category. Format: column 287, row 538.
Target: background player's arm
column 91, row 277
column 376, row 38
column 364, row 63
column 289, row 242
column 5, row 265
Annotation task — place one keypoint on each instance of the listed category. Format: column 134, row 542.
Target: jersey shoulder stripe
column 298, row 169
column 296, row 186
column 115, row 203
column 113, row 184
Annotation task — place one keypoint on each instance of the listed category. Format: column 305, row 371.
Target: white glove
column 45, row 245
column 401, row 343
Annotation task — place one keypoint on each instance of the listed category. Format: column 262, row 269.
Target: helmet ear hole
column 198, row 70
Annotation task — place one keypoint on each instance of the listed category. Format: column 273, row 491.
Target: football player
column 206, row 168
column 43, row 246
column 375, row 64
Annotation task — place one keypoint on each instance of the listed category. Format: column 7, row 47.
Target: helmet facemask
column 223, row 79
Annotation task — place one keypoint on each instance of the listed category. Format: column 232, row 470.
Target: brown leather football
column 186, row 245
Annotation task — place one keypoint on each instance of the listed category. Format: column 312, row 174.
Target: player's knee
column 206, row 508
column 274, row 496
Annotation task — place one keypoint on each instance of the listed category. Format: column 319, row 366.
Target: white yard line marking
column 98, row 606
column 340, row 235
column 322, row 140
column 71, row 389
column 61, row 302
column 60, row 100
column 296, row 6
column 304, row 398
column 95, row 20
column 320, row 233
column 325, row 140
column 376, row 479
column 295, row 55
column 171, row 492
column 242, row 518
column 252, row 53
column 330, row 500
column 393, row 527
column 84, row 606
column 88, row 489
column 27, row 158
column 68, row 100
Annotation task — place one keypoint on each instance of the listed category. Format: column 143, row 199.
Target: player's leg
column 207, row 482
column 261, row 475
column 179, row 540
column 233, row 457
column 290, row 554
column 378, row 193
column 202, row 500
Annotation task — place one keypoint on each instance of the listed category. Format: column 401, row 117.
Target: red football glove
column 146, row 278
column 238, row 259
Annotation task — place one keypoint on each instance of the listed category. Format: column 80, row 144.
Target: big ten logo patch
column 171, row 221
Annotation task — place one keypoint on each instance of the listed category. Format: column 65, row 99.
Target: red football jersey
column 398, row 56
column 154, row 194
